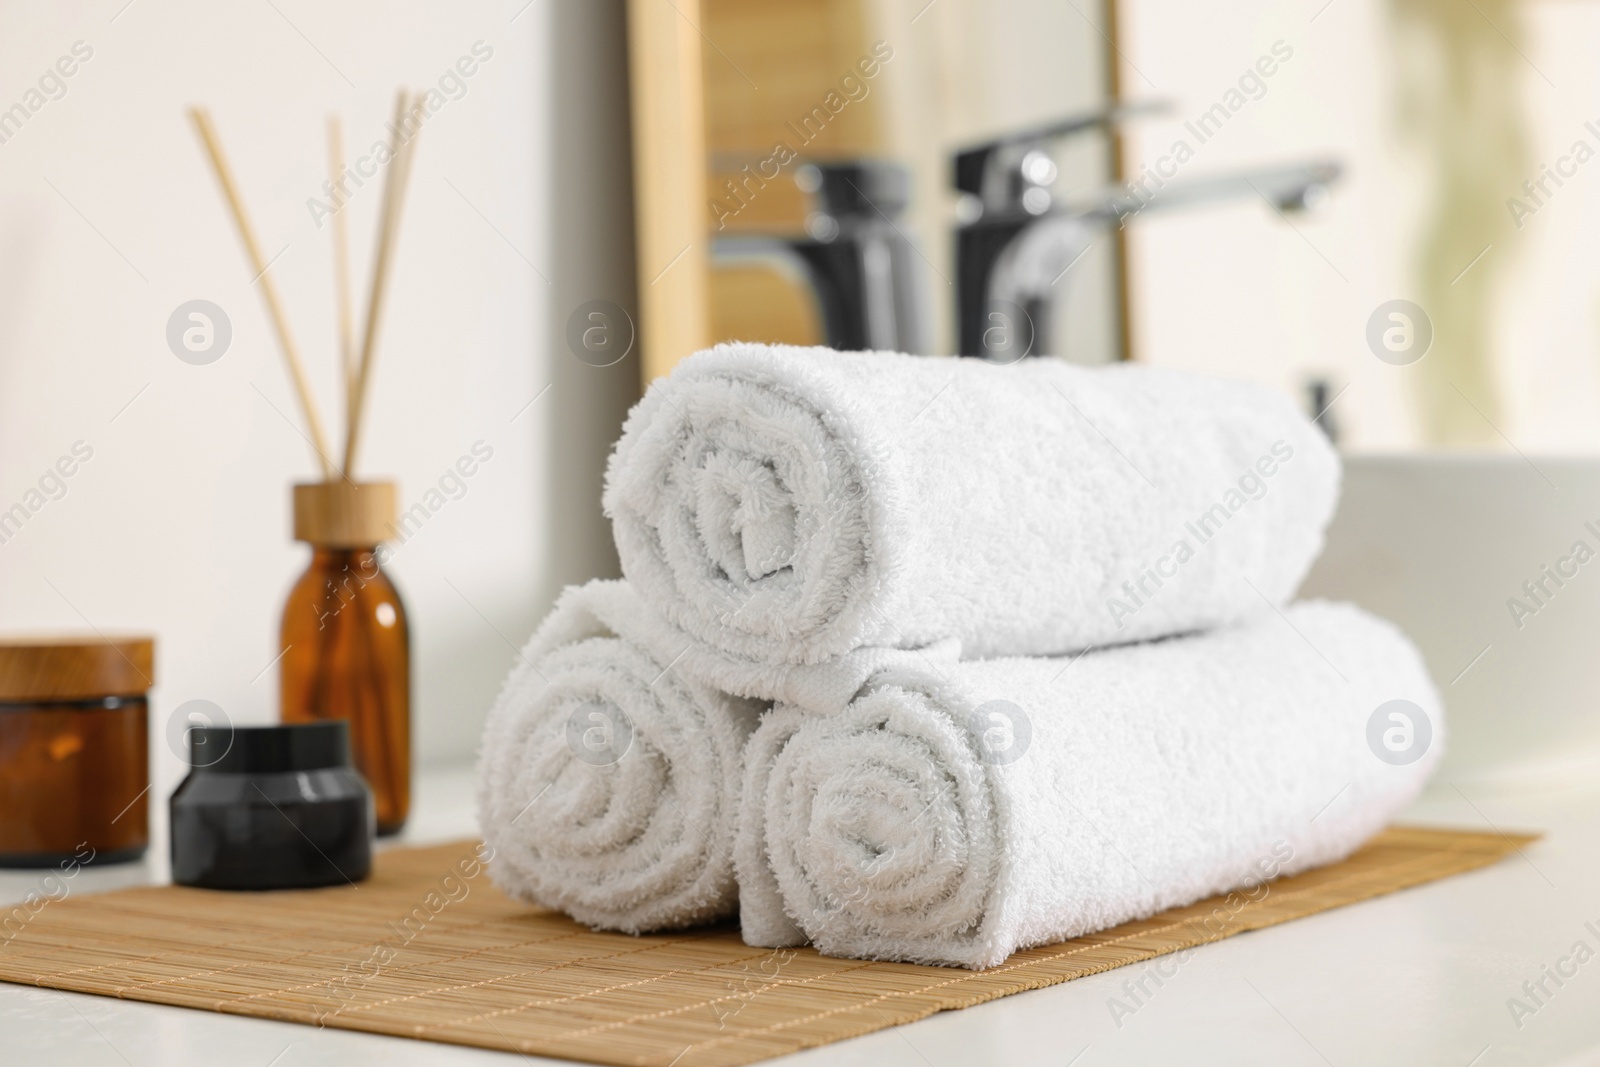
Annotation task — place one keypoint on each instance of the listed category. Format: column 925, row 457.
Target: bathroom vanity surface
column 1498, row 966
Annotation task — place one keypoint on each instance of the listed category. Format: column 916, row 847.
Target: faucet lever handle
column 971, row 164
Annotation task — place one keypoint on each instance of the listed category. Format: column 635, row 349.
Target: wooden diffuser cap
column 344, row 514
column 44, row 669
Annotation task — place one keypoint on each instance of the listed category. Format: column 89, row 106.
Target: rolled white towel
column 1018, row 802
column 789, row 505
column 608, row 783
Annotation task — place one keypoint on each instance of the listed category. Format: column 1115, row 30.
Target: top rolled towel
column 789, row 505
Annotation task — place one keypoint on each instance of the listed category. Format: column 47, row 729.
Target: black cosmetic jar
column 271, row 807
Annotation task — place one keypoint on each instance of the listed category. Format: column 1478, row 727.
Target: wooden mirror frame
column 669, row 179
column 670, row 168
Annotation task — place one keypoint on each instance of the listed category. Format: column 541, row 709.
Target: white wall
column 1235, row 289
column 109, row 219
column 1548, row 332
column 1238, row 291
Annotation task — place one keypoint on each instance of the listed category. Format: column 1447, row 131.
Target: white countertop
column 1417, row 977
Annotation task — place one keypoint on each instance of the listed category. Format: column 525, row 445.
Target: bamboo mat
column 416, row 951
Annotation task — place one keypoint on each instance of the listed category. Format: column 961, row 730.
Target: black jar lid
column 281, row 749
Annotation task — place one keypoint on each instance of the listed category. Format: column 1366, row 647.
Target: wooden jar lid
column 344, row 514
column 42, row 669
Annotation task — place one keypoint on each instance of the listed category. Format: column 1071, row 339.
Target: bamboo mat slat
column 472, row 967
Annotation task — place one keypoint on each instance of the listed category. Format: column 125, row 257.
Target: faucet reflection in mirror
column 854, row 256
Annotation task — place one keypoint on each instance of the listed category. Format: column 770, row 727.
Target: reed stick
column 394, row 186
column 269, row 290
column 341, row 263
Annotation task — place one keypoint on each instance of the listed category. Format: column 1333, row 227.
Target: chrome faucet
column 1015, row 238
column 853, row 257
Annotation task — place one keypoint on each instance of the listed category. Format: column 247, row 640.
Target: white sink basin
column 1442, row 544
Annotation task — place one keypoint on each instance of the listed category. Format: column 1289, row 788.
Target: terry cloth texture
column 791, row 505
column 1014, row 802
column 608, row 782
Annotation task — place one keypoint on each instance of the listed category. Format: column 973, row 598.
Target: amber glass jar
column 74, row 750
column 347, row 647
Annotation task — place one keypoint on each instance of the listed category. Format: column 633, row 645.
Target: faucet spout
column 1010, row 265
column 1293, row 187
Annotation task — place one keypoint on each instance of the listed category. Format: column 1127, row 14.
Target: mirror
column 830, row 134
column 835, row 130
column 1313, row 196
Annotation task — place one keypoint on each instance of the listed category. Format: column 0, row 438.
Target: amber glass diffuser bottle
column 346, row 646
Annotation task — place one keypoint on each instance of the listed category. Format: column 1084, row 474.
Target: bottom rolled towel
column 1008, row 803
column 608, row 782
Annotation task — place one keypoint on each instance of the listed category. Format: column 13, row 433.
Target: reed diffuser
column 346, row 650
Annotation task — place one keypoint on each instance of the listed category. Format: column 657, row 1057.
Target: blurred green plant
column 1459, row 71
